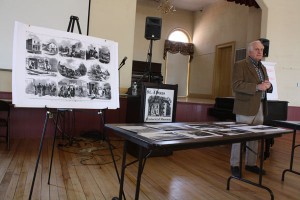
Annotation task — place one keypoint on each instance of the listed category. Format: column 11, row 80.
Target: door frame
column 216, row 72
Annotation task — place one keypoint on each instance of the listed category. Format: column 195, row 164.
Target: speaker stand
column 150, row 61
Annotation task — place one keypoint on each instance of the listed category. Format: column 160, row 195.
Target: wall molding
column 8, row 70
column 6, row 95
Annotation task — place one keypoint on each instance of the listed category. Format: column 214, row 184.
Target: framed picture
column 159, row 102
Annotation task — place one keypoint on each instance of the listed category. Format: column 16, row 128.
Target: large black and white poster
column 58, row 69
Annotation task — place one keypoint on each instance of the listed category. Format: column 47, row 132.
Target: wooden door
column 223, row 70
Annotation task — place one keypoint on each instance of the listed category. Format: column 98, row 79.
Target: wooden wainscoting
column 28, row 122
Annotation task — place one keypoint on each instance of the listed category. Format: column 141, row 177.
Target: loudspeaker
column 266, row 44
column 152, row 28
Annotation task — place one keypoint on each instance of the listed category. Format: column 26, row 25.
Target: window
column 179, row 36
column 177, row 64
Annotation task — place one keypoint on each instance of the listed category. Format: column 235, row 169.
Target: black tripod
column 149, row 59
column 72, row 21
column 60, row 113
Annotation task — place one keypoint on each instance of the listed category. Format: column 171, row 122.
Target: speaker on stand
column 152, row 32
column 153, row 28
column 266, row 44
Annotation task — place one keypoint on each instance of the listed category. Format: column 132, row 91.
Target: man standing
column 250, row 84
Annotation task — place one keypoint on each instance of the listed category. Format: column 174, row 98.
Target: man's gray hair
column 251, row 44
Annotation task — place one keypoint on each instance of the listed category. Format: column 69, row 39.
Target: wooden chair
column 4, row 120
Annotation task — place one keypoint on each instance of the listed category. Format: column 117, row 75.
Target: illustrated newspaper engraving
column 58, row 69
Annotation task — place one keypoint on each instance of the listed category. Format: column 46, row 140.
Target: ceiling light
column 166, row 7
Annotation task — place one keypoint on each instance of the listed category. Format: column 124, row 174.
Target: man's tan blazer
column 244, row 81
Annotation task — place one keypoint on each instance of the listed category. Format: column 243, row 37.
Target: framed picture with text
column 159, row 102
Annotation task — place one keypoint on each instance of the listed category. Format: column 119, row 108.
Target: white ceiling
column 191, row 5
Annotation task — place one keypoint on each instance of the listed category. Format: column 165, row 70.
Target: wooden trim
column 5, row 95
column 123, row 90
column 201, row 96
column 8, row 70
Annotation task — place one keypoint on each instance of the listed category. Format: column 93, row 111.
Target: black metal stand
column 149, row 72
column 59, row 113
column 292, row 157
column 111, row 150
column 62, row 117
column 141, row 164
column 88, row 21
column 72, row 21
column 39, row 154
column 295, row 125
column 54, row 138
column 150, row 61
column 259, row 184
column 269, row 144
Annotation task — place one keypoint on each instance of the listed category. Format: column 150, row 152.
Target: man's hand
column 264, row 85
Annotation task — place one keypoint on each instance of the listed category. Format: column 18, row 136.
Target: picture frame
column 158, row 102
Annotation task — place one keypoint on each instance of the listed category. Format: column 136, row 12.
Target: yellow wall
column 124, row 22
column 280, row 24
column 179, row 19
column 5, row 80
column 217, row 24
column 115, row 20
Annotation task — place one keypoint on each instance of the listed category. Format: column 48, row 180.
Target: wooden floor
column 186, row 175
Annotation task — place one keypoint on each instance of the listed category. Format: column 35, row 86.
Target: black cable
column 82, row 161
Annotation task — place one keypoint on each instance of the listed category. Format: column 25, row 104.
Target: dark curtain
column 246, row 2
column 179, row 47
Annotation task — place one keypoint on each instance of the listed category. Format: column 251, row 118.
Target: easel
column 48, row 114
column 72, row 21
column 60, row 113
